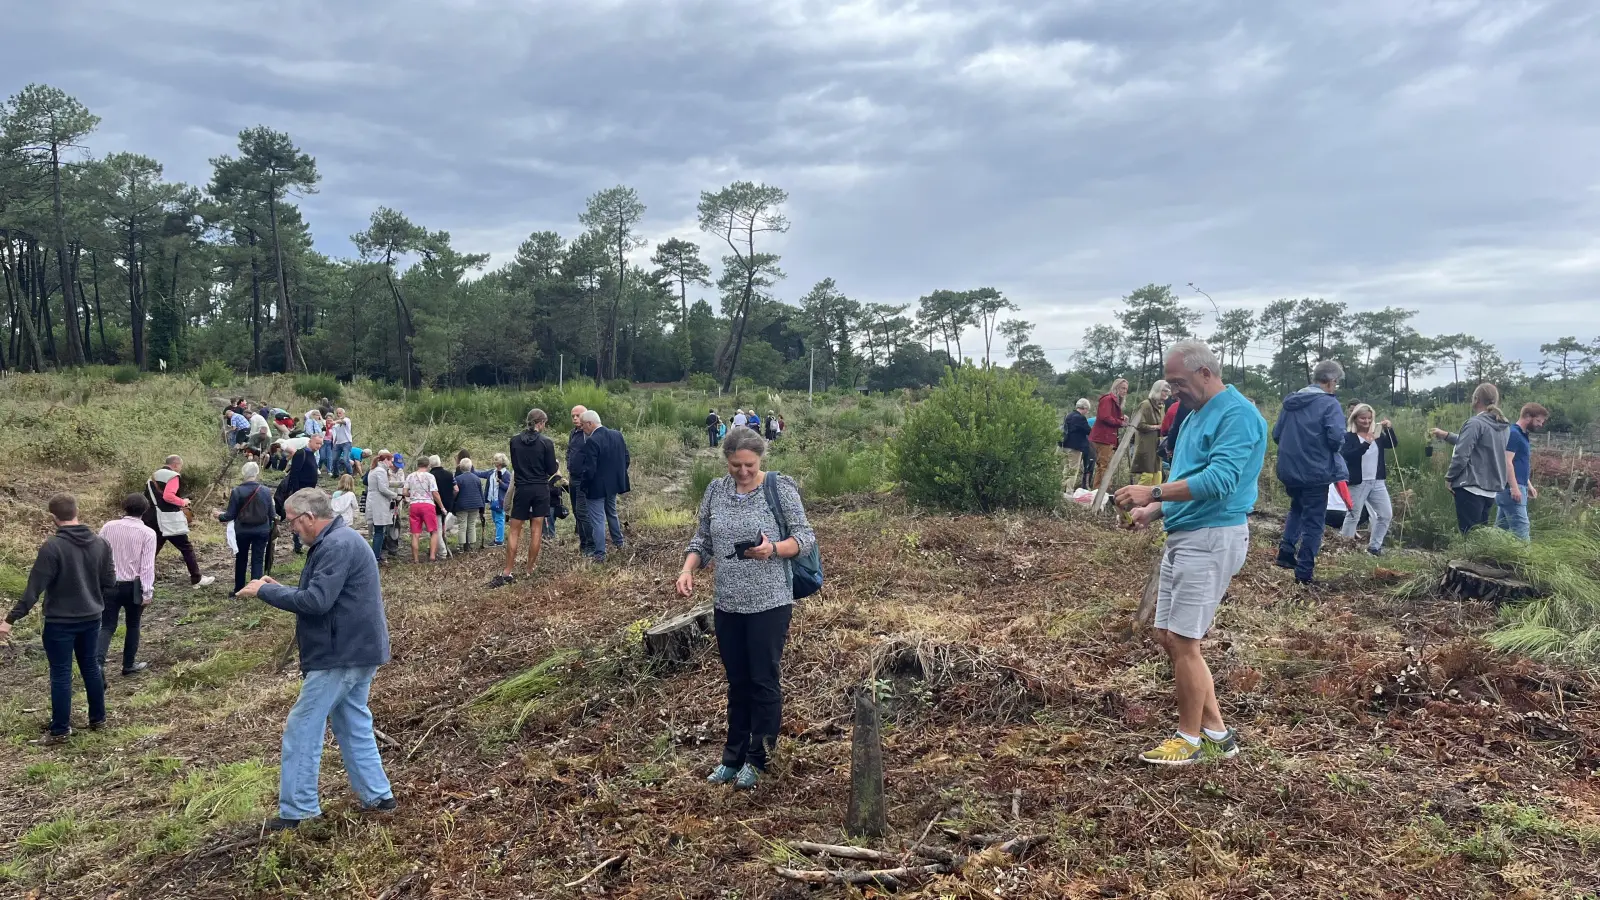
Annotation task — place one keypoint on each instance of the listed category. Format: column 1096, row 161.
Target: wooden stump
column 1465, row 580
column 1152, row 586
column 676, row 639
column 867, row 816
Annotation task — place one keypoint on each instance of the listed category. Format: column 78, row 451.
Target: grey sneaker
column 1227, row 748
column 747, row 778
column 722, row 775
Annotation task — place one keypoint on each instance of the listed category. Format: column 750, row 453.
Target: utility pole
column 811, row 381
column 561, row 370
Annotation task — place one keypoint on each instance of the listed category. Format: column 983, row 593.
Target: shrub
column 126, row 374
column 214, row 373
column 663, row 410
column 478, row 408
column 655, row 449
column 386, row 390
column 701, row 381
column 701, row 475
column 838, row 471
column 444, row 441
column 314, row 387
column 619, row 386
column 981, row 442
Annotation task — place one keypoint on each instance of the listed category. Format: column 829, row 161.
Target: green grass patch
column 522, row 692
column 217, row 670
column 49, row 837
column 313, row 387
column 664, row 517
column 229, row 793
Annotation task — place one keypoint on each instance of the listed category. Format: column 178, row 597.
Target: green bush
column 701, row 475
column 664, row 410
column 655, row 449
column 314, row 387
column 838, row 471
column 619, row 386
column 214, row 373
column 386, row 390
column 981, row 442
column 126, row 374
column 478, row 408
column 444, row 441
column 701, row 381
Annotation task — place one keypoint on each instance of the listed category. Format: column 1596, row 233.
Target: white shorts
column 1196, row 567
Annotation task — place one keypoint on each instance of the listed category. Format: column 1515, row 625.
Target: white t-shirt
column 740, row 420
column 291, row 446
column 340, row 429
column 1369, row 462
column 420, row 487
column 258, row 423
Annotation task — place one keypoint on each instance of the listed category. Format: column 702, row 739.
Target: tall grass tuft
column 1564, row 624
column 701, row 475
column 656, row 449
column 838, row 471
column 314, row 387
column 232, row 792
column 524, row 690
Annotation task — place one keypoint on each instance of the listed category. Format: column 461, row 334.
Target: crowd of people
column 770, row 428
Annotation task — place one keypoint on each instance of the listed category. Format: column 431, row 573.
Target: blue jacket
column 241, row 495
column 338, row 607
column 469, row 492
column 1310, row 434
column 1219, row 453
column 604, row 464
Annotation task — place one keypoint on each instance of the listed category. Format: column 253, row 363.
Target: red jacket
column 1166, row 421
column 1107, row 419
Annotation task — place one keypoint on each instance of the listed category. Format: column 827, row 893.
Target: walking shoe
column 387, row 804
column 135, row 669
column 1284, row 562
column 1378, row 552
column 1174, row 751
column 747, row 778
column 1227, row 748
column 52, row 738
column 501, row 580
column 205, row 581
column 279, row 823
column 97, row 725
column 722, row 775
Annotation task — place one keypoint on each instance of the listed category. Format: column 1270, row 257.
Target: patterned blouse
column 727, row 518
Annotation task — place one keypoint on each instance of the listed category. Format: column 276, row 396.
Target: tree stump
column 676, row 639
column 867, row 816
column 1465, row 580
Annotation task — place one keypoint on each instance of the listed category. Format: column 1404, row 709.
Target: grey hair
column 743, row 438
column 465, row 465
column 1156, row 389
column 249, row 471
column 590, row 417
column 500, row 460
column 433, row 461
column 174, row 458
column 311, row 502
column 1083, row 403
column 1195, row 355
column 1327, row 372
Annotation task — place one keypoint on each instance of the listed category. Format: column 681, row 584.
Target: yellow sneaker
column 1174, row 751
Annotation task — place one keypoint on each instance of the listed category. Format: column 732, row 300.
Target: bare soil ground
column 1387, row 752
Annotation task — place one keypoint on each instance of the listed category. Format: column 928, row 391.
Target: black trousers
column 181, row 541
column 128, row 595
column 751, row 647
column 250, row 559
column 1472, row 511
column 580, row 517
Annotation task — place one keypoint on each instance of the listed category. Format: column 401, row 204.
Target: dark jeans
column 377, row 540
column 1302, row 530
column 252, row 553
column 64, row 642
column 580, row 519
column 181, row 541
column 129, row 595
column 1472, row 511
column 751, row 647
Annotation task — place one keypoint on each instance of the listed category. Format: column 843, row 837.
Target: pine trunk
column 69, row 305
column 867, row 815
column 292, row 362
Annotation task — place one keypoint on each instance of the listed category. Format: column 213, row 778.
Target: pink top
column 133, row 551
column 170, row 493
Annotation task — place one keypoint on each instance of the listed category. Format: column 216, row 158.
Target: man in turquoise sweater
column 1215, row 466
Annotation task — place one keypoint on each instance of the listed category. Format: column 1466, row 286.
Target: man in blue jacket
column 1310, row 432
column 343, row 636
column 603, row 465
column 1215, row 467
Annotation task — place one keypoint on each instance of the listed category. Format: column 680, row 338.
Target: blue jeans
column 1512, row 515
column 1302, row 529
column 337, row 697
column 499, row 513
column 341, row 458
column 63, row 642
column 378, row 534
column 325, row 457
column 603, row 514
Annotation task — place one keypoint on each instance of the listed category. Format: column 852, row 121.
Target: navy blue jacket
column 241, row 495
column 469, row 492
column 604, row 464
column 338, row 607
column 1310, row 433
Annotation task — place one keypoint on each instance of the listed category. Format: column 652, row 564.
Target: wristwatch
column 1155, row 494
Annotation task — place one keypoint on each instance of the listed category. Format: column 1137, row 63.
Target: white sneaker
column 205, row 581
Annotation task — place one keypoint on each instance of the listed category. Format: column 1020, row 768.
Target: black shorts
column 530, row 501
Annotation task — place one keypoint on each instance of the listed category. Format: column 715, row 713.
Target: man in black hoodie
column 533, row 464
column 74, row 572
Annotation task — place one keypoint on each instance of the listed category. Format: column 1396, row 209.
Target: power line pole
column 811, row 381
column 561, row 370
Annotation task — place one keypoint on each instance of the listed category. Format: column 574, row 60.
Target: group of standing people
column 770, row 428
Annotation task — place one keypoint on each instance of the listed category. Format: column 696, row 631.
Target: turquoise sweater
column 1220, row 452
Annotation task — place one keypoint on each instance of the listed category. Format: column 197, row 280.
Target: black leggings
column 751, row 646
column 128, row 595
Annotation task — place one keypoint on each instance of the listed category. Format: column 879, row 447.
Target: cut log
column 1465, row 580
column 867, row 816
column 676, row 639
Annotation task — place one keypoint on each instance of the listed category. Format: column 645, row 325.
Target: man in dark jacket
column 712, row 421
column 533, row 464
column 604, row 470
column 1310, row 433
column 580, row 503
column 343, row 637
column 74, row 572
column 302, row 474
column 1075, row 437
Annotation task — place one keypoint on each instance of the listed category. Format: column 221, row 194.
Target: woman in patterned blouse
column 753, row 596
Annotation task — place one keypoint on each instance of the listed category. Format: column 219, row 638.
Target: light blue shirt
column 1220, row 451
column 313, row 426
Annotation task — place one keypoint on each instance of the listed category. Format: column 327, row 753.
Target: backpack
column 805, row 570
column 253, row 512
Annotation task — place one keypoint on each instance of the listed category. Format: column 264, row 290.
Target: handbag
column 805, row 570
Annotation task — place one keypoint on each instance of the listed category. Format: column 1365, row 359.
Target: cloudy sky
column 1434, row 154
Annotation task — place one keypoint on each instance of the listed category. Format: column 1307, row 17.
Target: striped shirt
column 133, row 551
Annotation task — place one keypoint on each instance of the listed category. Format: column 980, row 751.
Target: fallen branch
column 394, row 890
column 378, row 733
column 598, row 869
column 844, row 851
column 890, row 878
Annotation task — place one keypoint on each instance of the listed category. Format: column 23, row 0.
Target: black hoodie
column 74, row 573
column 533, row 458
